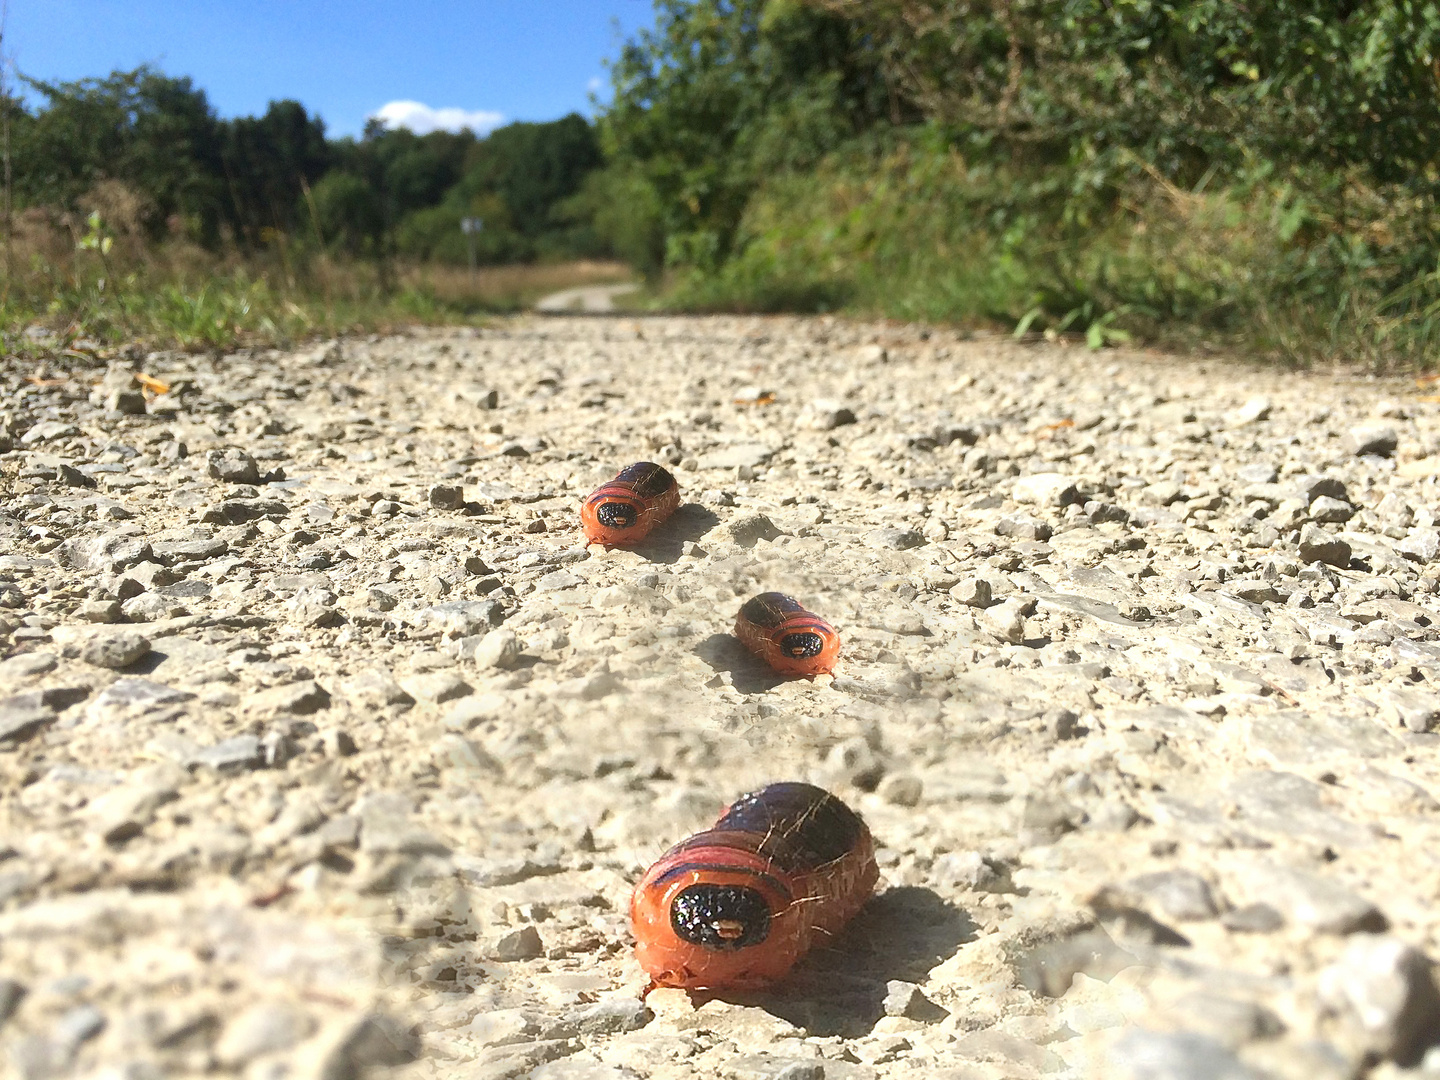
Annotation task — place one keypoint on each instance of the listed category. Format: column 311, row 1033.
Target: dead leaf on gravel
column 149, row 382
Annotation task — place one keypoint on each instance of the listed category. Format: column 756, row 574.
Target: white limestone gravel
column 1137, row 696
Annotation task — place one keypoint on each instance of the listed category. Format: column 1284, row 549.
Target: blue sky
column 489, row 60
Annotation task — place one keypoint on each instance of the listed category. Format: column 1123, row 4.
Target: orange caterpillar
column 792, row 640
column 734, row 907
column 622, row 512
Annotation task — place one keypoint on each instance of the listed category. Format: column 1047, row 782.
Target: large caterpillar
column 623, row 511
column 792, row 640
column 734, row 907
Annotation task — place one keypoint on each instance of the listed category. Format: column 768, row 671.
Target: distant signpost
column 471, row 227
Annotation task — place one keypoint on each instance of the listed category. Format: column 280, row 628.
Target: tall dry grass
column 94, row 274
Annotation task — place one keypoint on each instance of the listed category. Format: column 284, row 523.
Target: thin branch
column 5, row 151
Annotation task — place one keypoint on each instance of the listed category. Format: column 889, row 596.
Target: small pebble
column 115, row 650
column 521, row 944
column 498, row 649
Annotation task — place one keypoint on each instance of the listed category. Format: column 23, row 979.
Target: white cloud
column 595, row 85
column 422, row 119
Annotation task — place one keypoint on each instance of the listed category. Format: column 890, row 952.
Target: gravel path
column 592, row 299
column 326, row 748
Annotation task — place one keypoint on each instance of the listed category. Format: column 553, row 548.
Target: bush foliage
column 1260, row 175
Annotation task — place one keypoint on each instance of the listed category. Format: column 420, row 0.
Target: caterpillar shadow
column 841, row 989
column 749, row 675
column 688, row 524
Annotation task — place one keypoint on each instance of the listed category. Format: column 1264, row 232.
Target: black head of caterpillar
column 802, row 645
column 720, row 916
column 616, row 515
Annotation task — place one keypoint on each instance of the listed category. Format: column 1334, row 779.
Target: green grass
column 228, row 306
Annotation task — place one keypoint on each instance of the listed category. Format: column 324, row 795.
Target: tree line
column 256, row 180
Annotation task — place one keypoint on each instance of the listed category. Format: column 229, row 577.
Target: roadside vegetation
column 1259, row 177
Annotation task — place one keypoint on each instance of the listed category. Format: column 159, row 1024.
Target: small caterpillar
column 792, row 640
column 623, row 511
column 734, row 907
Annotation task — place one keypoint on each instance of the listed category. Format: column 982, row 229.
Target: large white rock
column 1045, row 489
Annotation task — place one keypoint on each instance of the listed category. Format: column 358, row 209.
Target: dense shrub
column 1255, row 174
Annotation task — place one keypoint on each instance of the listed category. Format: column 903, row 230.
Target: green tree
column 349, row 213
column 412, row 171
column 722, row 93
column 268, row 160
column 533, row 166
column 388, row 191
column 622, row 212
column 156, row 134
column 1187, row 86
column 515, row 180
column 401, row 172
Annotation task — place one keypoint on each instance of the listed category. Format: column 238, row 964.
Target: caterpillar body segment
column 623, row 511
column 734, row 907
column 791, row 639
